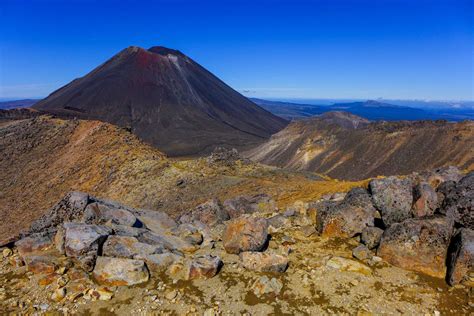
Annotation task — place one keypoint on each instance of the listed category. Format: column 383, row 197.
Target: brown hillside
column 41, row 159
column 336, row 147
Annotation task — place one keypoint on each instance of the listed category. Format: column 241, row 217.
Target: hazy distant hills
column 372, row 110
column 25, row 103
column 166, row 99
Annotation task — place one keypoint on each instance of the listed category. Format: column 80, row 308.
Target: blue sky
column 402, row 49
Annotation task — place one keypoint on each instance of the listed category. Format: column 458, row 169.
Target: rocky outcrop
column 210, row 213
column 418, row 244
column 245, row 234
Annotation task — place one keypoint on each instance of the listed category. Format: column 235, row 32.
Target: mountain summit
column 168, row 100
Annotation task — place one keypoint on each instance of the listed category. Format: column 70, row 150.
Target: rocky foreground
column 404, row 245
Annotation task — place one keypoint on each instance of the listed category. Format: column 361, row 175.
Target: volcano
column 166, row 99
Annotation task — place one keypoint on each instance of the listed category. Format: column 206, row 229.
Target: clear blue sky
column 308, row 49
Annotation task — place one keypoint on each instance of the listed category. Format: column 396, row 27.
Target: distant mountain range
column 372, row 110
column 13, row 104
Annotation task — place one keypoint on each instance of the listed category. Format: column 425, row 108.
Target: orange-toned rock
column 425, row 200
column 40, row 263
column 203, row 267
column 33, row 244
column 418, row 245
column 348, row 217
column 245, row 233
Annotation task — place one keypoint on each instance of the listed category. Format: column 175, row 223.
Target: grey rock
column 348, row 217
column 99, row 214
column 361, row 252
column 393, row 198
column 241, row 205
column 458, row 204
column 156, row 221
column 266, row 286
column 371, row 237
column 205, row 266
column 128, row 247
column 210, row 213
column 120, row 272
column 83, row 241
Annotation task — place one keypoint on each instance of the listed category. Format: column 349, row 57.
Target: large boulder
column 440, row 175
column 458, row 204
column 210, row 213
column 245, row 233
column 264, row 261
column 461, row 256
column 128, row 247
column 99, row 214
column 348, row 217
column 83, row 241
column 119, row 271
column 393, row 198
column 425, row 200
column 418, row 245
column 159, row 262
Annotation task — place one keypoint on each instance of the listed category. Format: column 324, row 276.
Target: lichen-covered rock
column 190, row 233
column 393, row 198
column 118, row 271
column 159, row 262
column 34, row 243
column 266, row 286
column 348, row 217
column 158, row 222
column 128, row 247
column 461, row 256
column 418, row 245
column 205, row 266
column 264, row 261
column 210, row 213
column 245, row 233
column 425, row 200
column 41, row 263
column 99, row 214
column 168, row 241
column 371, row 236
column 348, row 265
column 458, row 204
column 361, row 252
column 82, row 241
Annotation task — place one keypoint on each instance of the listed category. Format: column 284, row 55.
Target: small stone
column 62, row 281
column 344, row 264
column 7, row 252
column 61, row 270
column 210, row 312
column 361, row 252
column 171, row 294
column 308, row 230
column 118, row 271
column 59, row 294
column 203, row 267
column 264, row 285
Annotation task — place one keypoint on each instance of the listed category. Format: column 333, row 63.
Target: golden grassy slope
column 41, row 159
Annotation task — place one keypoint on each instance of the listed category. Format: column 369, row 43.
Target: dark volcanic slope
column 345, row 146
column 166, row 99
